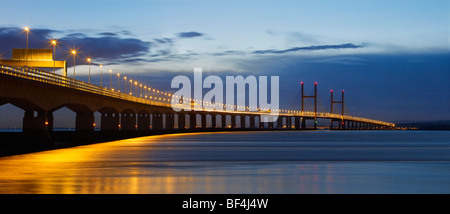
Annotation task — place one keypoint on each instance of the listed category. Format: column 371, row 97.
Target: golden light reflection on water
column 129, row 166
column 196, row 163
column 83, row 169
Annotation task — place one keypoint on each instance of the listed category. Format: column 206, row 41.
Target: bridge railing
column 63, row 81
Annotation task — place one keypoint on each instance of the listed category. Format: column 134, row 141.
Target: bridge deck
column 163, row 100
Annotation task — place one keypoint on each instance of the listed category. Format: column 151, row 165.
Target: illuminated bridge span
column 39, row 93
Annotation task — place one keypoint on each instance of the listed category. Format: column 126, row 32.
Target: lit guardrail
column 59, row 80
column 63, row 81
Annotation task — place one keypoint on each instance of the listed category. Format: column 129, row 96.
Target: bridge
column 39, row 93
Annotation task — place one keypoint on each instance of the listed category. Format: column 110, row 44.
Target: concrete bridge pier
column 192, row 120
column 213, row 121
column 157, row 121
column 279, row 123
column 36, row 128
column 203, row 119
column 297, row 123
column 143, row 121
column 109, row 121
column 233, row 121
column 50, row 121
column 85, row 121
column 270, row 124
column 224, row 121
column 261, row 123
column 30, row 123
column 170, row 121
column 252, row 121
column 243, row 126
column 128, row 121
column 288, row 122
column 181, row 121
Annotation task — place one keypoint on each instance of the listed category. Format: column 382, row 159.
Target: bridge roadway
column 39, row 93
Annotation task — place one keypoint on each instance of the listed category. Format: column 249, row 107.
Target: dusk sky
column 391, row 57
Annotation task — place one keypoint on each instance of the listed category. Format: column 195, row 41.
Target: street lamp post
column 125, row 78
column 135, row 83
column 54, row 53
column 118, row 82
column 140, row 85
column 131, row 87
column 89, row 61
column 101, row 76
column 110, row 79
column 74, row 53
column 27, row 29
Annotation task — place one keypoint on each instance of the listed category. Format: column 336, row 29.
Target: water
column 241, row 162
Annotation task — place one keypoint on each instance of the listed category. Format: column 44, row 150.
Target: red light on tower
column 331, row 91
column 301, row 83
column 315, row 83
column 342, row 91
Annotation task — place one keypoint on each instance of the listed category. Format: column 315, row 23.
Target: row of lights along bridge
column 146, row 92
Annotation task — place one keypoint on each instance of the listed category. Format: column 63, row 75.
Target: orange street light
column 53, row 42
column 27, row 30
column 89, row 61
column 110, row 79
column 74, row 53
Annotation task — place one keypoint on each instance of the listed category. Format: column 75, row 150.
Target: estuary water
column 240, row 162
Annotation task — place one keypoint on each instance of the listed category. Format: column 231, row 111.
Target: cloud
column 191, row 34
column 11, row 37
column 108, row 46
column 164, row 40
column 108, row 34
column 310, row 48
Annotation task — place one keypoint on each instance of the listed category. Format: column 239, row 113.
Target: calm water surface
column 241, row 162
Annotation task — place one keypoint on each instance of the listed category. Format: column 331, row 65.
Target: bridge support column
column 213, row 121
column 242, row 121
column 280, row 123
column 84, row 121
column 203, row 118
column 170, row 121
column 297, row 123
column 224, row 121
column 289, row 122
column 128, row 121
column 109, row 121
column 157, row 121
column 270, row 123
column 50, row 121
column 181, row 121
column 261, row 123
column 233, row 121
column 36, row 128
column 303, row 121
column 143, row 122
column 252, row 121
column 31, row 123
column 192, row 121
